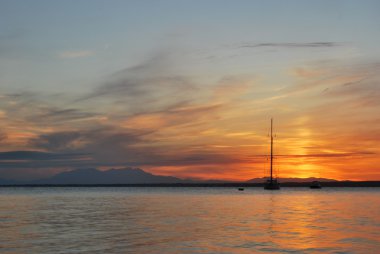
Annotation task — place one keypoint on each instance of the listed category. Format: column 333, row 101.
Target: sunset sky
column 188, row 88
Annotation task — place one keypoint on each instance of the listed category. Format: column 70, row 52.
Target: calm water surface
column 189, row 220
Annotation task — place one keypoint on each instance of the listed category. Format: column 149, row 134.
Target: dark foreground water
column 189, row 220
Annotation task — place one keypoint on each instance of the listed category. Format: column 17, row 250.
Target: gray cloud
column 20, row 103
column 49, row 109
column 34, row 156
column 291, row 45
column 64, row 141
column 151, row 85
column 59, row 141
column 36, row 159
column 59, row 114
column 106, row 146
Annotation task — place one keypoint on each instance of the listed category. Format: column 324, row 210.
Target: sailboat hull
column 315, row 185
column 272, row 185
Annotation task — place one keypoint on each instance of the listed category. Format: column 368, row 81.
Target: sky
column 188, row 88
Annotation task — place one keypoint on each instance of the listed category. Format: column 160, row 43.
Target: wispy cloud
column 21, row 156
column 146, row 87
column 325, row 44
column 36, row 159
column 63, row 114
column 334, row 78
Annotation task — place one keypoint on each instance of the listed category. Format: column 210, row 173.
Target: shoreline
column 237, row 184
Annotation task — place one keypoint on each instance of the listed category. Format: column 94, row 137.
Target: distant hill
column 292, row 180
column 112, row 176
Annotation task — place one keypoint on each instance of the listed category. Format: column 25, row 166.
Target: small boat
column 315, row 185
column 240, row 189
column 271, row 183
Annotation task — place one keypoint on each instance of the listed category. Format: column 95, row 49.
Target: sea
column 188, row 220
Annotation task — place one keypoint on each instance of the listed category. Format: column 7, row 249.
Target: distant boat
column 271, row 183
column 315, row 185
column 240, row 189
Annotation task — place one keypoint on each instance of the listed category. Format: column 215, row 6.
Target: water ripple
column 188, row 220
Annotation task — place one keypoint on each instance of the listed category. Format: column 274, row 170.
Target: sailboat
column 271, row 183
column 315, row 185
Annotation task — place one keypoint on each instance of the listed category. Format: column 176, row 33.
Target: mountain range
column 112, row 176
column 131, row 176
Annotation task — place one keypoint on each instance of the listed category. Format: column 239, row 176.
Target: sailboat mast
column 271, row 184
column 271, row 149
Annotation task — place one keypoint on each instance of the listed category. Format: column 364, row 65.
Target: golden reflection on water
column 189, row 220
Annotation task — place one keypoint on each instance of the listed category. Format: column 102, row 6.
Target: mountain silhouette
column 112, row 176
